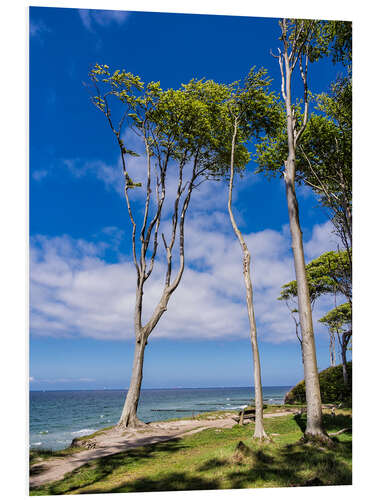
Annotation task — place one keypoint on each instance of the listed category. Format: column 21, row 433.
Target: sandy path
column 115, row 441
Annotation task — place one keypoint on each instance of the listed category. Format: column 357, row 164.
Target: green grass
column 208, row 460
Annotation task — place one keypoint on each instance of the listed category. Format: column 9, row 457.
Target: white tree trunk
column 314, row 427
column 313, row 400
column 129, row 413
column 259, row 432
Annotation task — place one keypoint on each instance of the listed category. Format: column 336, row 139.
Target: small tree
column 339, row 322
column 329, row 274
column 181, row 134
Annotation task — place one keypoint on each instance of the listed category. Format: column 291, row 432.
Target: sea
column 57, row 417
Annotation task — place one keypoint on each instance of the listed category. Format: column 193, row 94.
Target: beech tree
column 301, row 42
column 183, row 135
column 251, row 110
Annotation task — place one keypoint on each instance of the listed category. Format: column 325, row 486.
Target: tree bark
column 259, row 432
column 314, row 425
column 344, row 365
column 129, row 413
column 344, row 346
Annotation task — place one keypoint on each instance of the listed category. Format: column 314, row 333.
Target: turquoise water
column 56, row 417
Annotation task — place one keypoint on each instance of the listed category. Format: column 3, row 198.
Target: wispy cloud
column 102, row 18
column 39, row 175
column 38, row 28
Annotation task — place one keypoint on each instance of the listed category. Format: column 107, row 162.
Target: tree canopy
column 338, row 319
column 328, row 274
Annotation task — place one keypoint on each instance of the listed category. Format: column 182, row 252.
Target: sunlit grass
column 208, row 460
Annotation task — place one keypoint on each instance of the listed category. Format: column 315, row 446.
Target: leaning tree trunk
column 259, row 432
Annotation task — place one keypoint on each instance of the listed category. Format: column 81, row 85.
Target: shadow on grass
column 294, row 465
column 99, row 469
column 331, row 423
column 169, row 482
column 266, row 465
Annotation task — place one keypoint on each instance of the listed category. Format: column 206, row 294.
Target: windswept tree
column 329, row 274
column 301, row 42
column 339, row 322
column 251, row 110
column 184, row 137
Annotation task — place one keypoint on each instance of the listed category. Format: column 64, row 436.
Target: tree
column 328, row 274
column 339, row 322
column 182, row 135
column 300, row 44
column 251, row 109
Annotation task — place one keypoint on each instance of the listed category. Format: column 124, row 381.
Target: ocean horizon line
column 159, row 388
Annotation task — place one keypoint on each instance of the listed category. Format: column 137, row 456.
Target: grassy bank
column 208, row 460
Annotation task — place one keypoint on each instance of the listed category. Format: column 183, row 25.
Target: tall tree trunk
column 344, row 364
column 129, row 413
column 259, row 432
column 344, row 345
column 332, row 348
column 314, row 425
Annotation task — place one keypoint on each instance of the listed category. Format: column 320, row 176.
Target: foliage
column 324, row 152
column 194, row 119
column 324, row 148
column 339, row 36
column 338, row 319
column 332, row 387
column 328, row 274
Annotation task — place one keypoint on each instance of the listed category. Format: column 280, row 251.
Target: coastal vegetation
column 220, row 459
column 333, row 387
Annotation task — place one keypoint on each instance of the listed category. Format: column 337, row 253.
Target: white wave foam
column 228, row 407
column 82, row 432
column 36, row 444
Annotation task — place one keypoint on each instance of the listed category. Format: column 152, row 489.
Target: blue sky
column 82, row 279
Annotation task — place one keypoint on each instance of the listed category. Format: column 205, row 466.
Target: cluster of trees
column 203, row 131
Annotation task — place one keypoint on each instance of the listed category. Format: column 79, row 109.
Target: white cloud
column 38, row 175
column 75, row 292
column 323, row 240
column 38, row 28
column 102, row 18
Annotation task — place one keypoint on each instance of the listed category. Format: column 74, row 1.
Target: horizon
column 157, row 388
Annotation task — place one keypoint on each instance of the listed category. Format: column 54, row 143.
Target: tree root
column 317, row 439
column 339, row 432
column 131, row 423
